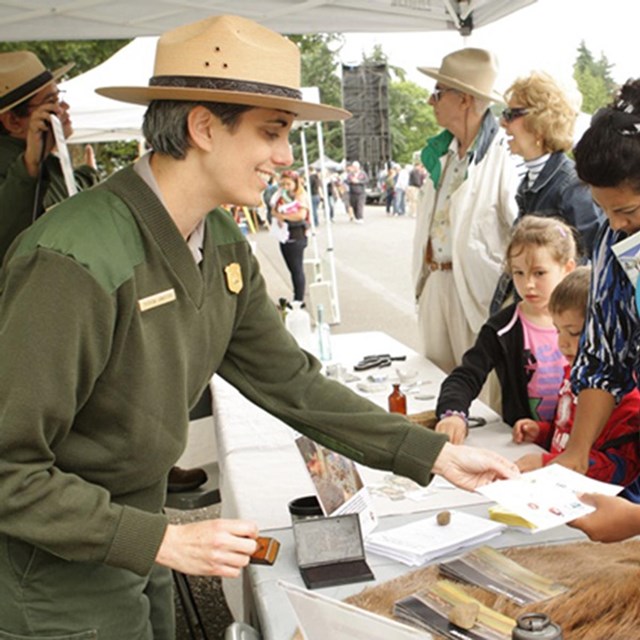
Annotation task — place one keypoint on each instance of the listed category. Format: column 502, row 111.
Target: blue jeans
column 315, row 203
column 398, row 202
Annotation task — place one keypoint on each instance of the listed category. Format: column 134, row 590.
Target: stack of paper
column 416, row 543
column 546, row 497
column 500, row 514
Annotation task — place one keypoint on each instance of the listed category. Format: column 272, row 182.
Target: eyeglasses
column 439, row 91
column 511, row 114
column 53, row 99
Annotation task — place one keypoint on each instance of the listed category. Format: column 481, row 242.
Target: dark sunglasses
column 439, row 91
column 509, row 114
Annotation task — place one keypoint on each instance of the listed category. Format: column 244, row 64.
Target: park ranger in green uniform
column 29, row 95
column 114, row 314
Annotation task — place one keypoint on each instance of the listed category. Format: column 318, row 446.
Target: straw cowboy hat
column 471, row 71
column 22, row 75
column 227, row 59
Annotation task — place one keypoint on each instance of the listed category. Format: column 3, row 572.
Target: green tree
column 411, row 119
column 593, row 78
column 319, row 69
column 86, row 54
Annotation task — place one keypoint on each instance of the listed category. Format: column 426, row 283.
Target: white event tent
column 94, row 19
column 99, row 119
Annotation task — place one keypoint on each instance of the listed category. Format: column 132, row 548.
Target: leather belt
column 432, row 265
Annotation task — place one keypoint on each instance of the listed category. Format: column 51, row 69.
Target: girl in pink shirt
column 520, row 341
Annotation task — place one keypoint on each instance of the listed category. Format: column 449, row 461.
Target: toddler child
column 614, row 456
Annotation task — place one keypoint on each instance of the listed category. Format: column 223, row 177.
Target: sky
column 543, row 36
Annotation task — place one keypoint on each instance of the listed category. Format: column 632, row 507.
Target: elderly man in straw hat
column 466, row 207
column 28, row 97
column 115, row 313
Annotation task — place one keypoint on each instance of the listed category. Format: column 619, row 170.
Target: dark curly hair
column 608, row 154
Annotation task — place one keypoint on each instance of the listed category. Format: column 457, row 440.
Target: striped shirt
column 534, row 168
column 609, row 355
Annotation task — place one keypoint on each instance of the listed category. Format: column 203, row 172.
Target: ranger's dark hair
column 21, row 110
column 608, row 154
column 165, row 123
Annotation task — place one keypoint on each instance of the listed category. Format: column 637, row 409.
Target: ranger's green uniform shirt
column 18, row 188
column 109, row 333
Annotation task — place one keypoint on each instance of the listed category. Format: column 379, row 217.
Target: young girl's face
column 288, row 185
column 621, row 205
column 535, row 274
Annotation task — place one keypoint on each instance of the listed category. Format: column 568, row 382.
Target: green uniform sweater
column 18, row 188
column 109, row 333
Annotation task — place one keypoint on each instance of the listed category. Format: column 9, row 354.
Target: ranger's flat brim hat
column 471, row 71
column 22, row 75
column 227, row 59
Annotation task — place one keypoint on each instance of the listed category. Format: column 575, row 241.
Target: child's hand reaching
column 455, row 427
column 529, row 462
column 525, row 430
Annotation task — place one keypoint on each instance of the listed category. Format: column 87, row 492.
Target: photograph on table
column 338, row 483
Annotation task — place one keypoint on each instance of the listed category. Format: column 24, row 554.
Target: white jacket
column 482, row 213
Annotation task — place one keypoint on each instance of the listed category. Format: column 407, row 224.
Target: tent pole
column 330, row 254
column 305, row 160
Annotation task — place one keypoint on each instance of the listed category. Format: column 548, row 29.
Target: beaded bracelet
column 458, row 414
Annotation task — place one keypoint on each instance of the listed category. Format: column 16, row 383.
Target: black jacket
column 559, row 192
column 499, row 346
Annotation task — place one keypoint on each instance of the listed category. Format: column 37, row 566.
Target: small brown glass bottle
column 397, row 400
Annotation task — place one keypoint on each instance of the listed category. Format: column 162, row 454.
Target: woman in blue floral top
column 608, row 365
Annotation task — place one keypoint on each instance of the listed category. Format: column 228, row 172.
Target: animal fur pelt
column 603, row 602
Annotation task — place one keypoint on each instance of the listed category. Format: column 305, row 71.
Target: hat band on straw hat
column 24, row 90
column 225, row 84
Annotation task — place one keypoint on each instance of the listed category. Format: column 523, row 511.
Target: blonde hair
column 551, row 111
column 553, row 234
column 572, row 293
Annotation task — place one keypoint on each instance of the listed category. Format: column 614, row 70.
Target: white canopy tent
column 94, row 19
column 99, row 119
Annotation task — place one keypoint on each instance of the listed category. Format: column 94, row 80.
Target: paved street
column 373, row 267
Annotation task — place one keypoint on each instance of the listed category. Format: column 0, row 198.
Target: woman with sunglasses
column 290, row 209
column 539, row 121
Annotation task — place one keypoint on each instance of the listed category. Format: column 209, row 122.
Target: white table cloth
column 262, row 470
